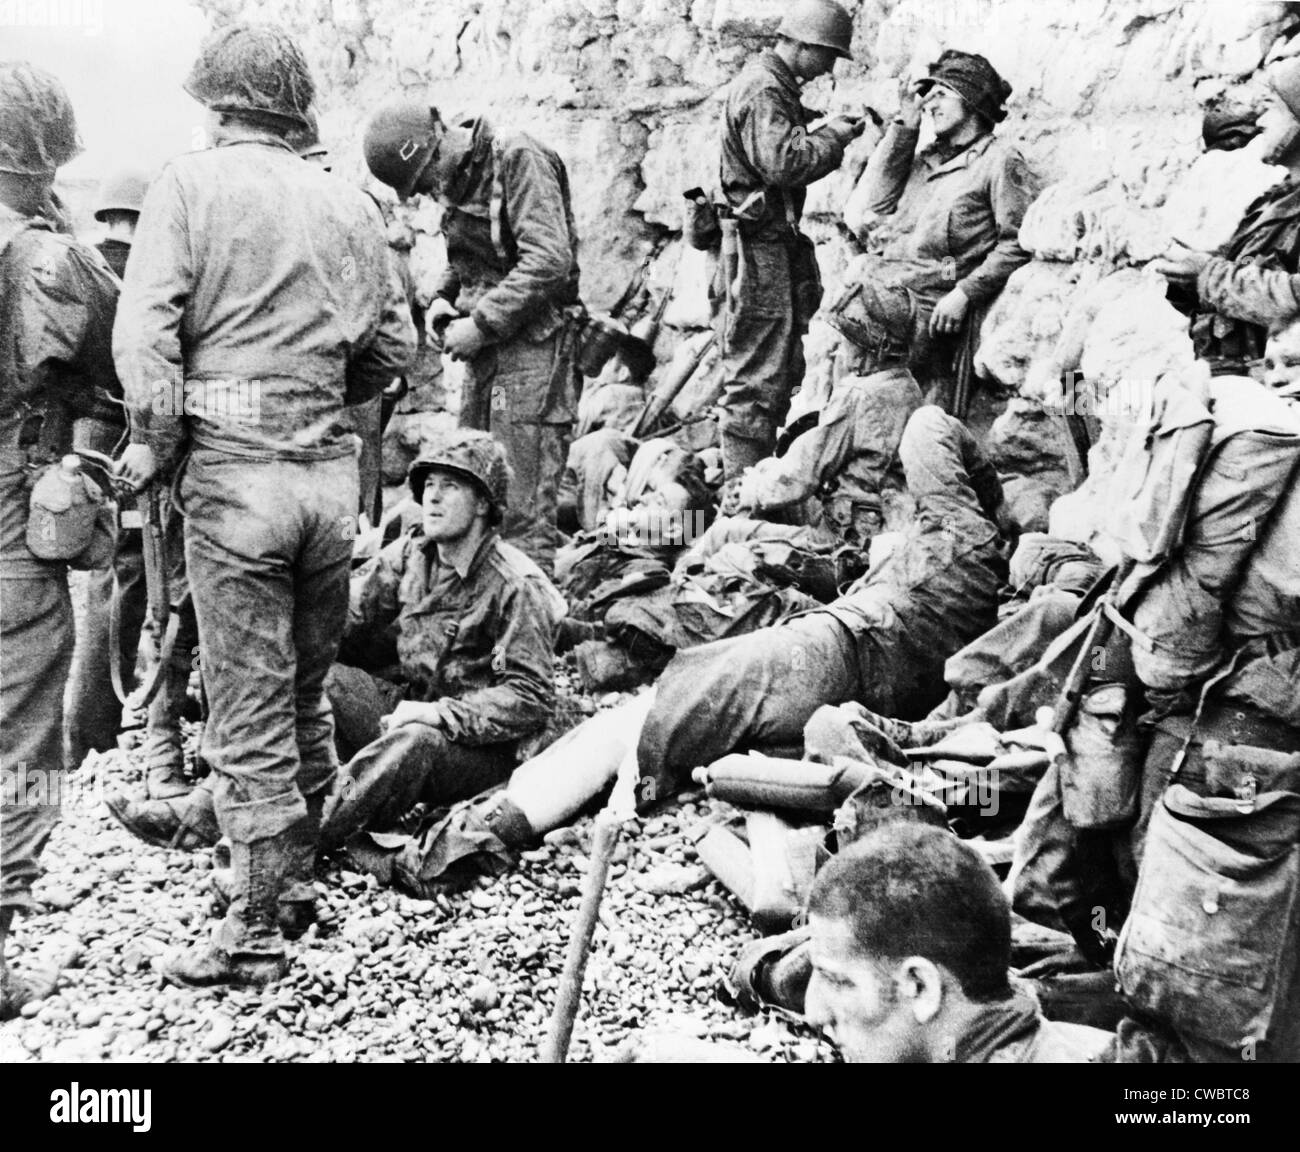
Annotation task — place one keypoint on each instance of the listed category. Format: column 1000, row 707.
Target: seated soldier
column 1251, row 287
column 845, row 458
column 472, row 620
column 883, row 643
column 942, row 224
column 465, row 621
column 911, row 943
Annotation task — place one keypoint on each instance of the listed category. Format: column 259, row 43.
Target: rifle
column 670, row 387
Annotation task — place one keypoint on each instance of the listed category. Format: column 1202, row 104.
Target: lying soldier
column 883, row 643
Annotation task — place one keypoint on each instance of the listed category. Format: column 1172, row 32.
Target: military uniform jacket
column 57, row 300
column 259, row 301
column 949, row 222
column 766, row 147
column 512, row 250
column 479, row 642
column 1252, row 286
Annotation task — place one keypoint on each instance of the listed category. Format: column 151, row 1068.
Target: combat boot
column 247, row 947
column 186, row 824
column 298, row 899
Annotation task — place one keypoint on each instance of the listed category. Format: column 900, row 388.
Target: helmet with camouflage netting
column 257, row 70
column 466, row 452
column 38, row 130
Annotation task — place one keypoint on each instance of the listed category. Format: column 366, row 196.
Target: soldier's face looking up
column 451, row 505
column 947, row 111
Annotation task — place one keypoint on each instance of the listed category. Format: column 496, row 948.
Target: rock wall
column 1107, row 104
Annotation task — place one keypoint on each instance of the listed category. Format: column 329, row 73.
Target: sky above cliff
column 122, row 62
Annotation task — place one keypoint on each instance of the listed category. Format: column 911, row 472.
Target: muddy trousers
column 268, row 545
column 35, row 656
column 412, row 764
column 524, row 394
column 762, row 354
column 752, row 691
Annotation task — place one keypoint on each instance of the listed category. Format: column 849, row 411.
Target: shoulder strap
column 497, row 202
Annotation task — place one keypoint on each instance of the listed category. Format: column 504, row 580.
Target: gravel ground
column 470, row 977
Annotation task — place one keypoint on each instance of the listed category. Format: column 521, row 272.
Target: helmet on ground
column 820, row 22
column 401, row 141
column 256, row 69
column 469, row 453
column 123, row 191
column 38, row 131
column 974, row 79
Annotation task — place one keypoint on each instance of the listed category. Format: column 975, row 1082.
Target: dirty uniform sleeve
column 373, row 601
column 389, row 353
column 448, row 285
column 884, row 180
column 535, row 207
column 819, row 453
column 784, row 153
column 64, row 337
column 522, row 696
column 1012, row 188
column 1245, row 291
column 147, row 333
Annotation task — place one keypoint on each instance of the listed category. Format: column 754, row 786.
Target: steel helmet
column 253, row 68
column 820, row 22
column 38, row 131
column 123, row 191
column 470, row 453
column 401, row 141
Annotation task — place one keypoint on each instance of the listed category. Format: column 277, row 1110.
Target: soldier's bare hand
column 137, row 465
column 464, row 339
column 909, row 103
column 949, row 313
column 1181, row 264
column 441, row 313
column 846, row 128
column 411, row 712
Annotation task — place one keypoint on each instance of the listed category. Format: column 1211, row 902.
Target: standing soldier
column 244, row 333
column 768, row 159
column 509, row 298
column 93, row 710
column 56, row 319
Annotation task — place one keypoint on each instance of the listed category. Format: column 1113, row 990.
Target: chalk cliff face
column 1107, row 104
